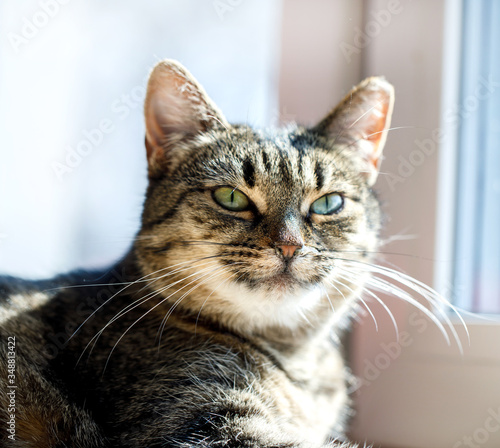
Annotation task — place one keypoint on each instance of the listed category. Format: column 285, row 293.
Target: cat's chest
column 315, row 386
column 303, row 390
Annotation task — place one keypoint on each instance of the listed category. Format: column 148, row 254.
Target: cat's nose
column 287, row 250
column 287, row 236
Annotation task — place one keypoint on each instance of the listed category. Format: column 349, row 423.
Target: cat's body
column 216, row 329
column 201, row 378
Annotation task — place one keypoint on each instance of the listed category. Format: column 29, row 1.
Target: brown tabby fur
column 208, row 334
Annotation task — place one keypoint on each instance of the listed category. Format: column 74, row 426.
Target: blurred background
column 73, row 166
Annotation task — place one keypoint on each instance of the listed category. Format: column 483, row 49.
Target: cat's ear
column 176, row 110
column 361, row 121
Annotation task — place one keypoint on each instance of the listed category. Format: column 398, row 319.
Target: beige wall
column 314, row 74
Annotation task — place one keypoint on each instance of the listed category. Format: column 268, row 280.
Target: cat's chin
column 283, row 284
column 274, row 302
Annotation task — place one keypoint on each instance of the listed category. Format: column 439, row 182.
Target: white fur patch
column 259, row 309
column 19, row 303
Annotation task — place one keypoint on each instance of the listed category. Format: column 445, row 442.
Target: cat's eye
column 231, row 199
column 328, row 204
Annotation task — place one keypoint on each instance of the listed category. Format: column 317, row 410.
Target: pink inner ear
column 171, row 108
column 154, row 136
column 377, row 118
column 376, row 132
column 176, row 109
column 368, row 107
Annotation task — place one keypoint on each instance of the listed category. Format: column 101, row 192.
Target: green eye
column 231, row 199
column 328, row 204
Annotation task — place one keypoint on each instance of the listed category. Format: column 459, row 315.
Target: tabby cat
column 220, row 326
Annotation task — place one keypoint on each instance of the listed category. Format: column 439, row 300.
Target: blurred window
column 477, row 233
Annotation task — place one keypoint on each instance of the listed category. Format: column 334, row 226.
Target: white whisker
column 129, row 308
column 328, row 298
column 208, row 297
column 128, row 284
column 178, row 301
column 431, row 296
column 149, row 311
column 362, row 301
column 350, row 277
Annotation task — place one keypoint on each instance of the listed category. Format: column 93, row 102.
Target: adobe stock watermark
column 363, row 37
column 11, row 387
column 222, row 7
column 389, row 353
column 30, row 27
column 427, row 147
column 94, row 137
column 482, row 434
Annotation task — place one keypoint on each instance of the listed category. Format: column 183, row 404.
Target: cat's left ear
column 361, row 121
column 177, row 110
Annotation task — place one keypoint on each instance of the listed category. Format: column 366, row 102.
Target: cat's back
column 18, row 297
column 21, row 297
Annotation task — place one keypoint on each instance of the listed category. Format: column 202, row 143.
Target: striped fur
column 211, row 332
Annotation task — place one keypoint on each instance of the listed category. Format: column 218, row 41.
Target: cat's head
column 252, row 226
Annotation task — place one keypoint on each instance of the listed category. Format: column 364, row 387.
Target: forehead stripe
column 265, row 161
column 285, row 170
column 249, row 173
column 320, row 176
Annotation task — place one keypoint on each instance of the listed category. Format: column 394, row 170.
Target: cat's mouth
column 274, row 273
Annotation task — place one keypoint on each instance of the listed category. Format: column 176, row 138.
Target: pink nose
column 288, row 251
